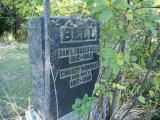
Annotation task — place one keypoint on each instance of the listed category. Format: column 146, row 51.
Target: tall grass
column 15, row 82
column 7, row 38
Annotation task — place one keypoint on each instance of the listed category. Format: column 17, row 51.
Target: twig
column 2, row 116
column 13, row 105
column 55, row 90
column 99, row 78
column 154, row 7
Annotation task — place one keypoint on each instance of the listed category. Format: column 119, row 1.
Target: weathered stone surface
column 74, row 44
column 36, row 39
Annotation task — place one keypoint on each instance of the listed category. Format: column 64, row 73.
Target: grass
column 15, row 81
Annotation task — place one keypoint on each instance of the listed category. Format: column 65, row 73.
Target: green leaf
column 89, row 2
column 105, row 16
column 107, row 74
column 77, row 104
column 129, row 16
column 100, row 2
column 151, row 93
column 121, row 4
column 107, row 54
column 85, row 98
column 78, row 101
column 117, row 85
column 120, row 58
column 108, row 94
column 116, row 2
column 103, row 88
column 141, row 99
column 105, row 62
column 146, row 4
column 150, row 26
column 134, row 58
column 153, row 17
column 74, row 106
column 97, row 9
column 115, row 68
column 126, row 57
column 156, row 83
column 136, row 66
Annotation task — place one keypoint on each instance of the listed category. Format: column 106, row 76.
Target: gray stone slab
column 74, row 62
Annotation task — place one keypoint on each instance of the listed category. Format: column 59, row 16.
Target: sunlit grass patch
column 15, row 81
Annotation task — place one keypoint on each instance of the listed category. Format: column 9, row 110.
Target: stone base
column 32, row 115
column 69, row 116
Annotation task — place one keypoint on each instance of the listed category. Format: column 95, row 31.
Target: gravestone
column 74, row 62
